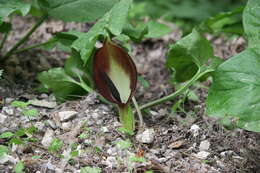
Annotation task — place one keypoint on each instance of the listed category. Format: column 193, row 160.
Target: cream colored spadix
column 120, row 79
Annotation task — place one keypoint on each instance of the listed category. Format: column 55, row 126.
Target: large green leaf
column 118, row 16
column 224, row 22
column 77, row 10
column 135, row 33
column 62, row 85
column 251, row 23
column 8, row 7
column 188, row 55
column 234, row 95
column 235, row 92
column 85, row 44
column 114, row 20
column 5, row 27
column 156, row 29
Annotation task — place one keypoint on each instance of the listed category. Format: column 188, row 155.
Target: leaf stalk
column 198, row 75
column 24, row 38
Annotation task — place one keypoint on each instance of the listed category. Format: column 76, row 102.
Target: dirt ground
column 184, row 141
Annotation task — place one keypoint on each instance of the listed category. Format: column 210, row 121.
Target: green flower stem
column 199, row 74
column 25, row 37
column 141, row 123
column 126, row 117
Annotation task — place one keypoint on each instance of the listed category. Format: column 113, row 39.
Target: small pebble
column 202, row 155
column 105, row 129
column 146, row 137
column 204, row 145
column 47, row 138
column 111, row 162
column 66, row 115
column 8, row 110
column 2, row 118
column 195, row 130
column 52, row 124
column 66, row 126
column 43, row 103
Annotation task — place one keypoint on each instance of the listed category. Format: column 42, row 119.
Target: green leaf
column 118, row 16
column 88, row 169
column 251, row 23
column 6, row 135
column 20, row 104
column 188, row 55
column 16, row 141
column 3, row 150
column 124, row 144
column 36, row 157
column 8, row 7
column 56, row 145
column 125, row 131
column 156, row 30
column 30, row 112
column 235, row 91
column 5, row 27
column 224, row 22
column 19, row 167
column 74, row 66
column 78, row 10
column 137, row 159
column 85, row 44
column 135, row 33
column 63, row 86
column 143, row 82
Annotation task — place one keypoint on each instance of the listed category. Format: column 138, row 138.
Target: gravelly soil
column 185, row 141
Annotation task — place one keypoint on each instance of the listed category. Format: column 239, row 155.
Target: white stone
column 47, row 138
column 112, row 151
column 8, row 110
column 204, row 145
column 66, row 126
column 227, row 153
column 111, row 162
column 202, row 155
column 146, row 137
column 66, row 115
column 43, row 103
column 95, row 116
column 105, row 129
column 195, row 130
column 52, row 124
column 2, row 118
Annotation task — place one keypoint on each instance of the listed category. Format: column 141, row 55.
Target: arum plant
column 115, row 77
